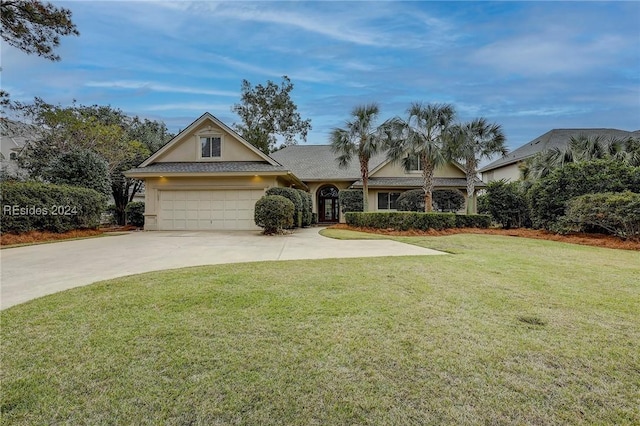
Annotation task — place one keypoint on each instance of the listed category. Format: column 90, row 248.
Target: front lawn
column 502, row 331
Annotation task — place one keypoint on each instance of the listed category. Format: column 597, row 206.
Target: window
column 414, row 163
column 388, row 200
column 210, row 146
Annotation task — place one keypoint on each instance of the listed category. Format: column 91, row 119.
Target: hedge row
column 404, row 221
column 34, row 206
column 614, row 213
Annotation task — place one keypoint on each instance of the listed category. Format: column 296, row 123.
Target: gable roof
column 556, row 138
column 318, row 162
column 15, row 135
column 204, row 117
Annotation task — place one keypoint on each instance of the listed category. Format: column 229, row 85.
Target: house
column 14, row 137
column 209, row 177
column 317, row 167
column 508, row 167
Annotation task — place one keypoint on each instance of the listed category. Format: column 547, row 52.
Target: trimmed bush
column 401, row 221
column 506, row 203
column 351, row 200
column 274, row 213
column 293, row 195
column 444, row 200
column 613, row 213
column 306, row 207
column 34, row 206
column 447, row 200
column 473, row 221
column 135, row 213
column 411, row 201
column 548, row 196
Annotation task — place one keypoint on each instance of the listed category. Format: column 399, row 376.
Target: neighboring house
column 508, row 167
column 14, row 136
column 209, row 177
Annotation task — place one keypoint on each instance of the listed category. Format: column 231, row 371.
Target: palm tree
column 421, row 136
column 583, row 148
column 472, row 142
column 360, row 138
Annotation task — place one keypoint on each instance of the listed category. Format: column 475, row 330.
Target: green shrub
column 79, row 167
column 447, row 200
column 506, row 203
column 314, row 218
column 613, row 213
column 306, row 207
column 548, row 196
column 473, row 221
column 401, row 221
column 411, row 201
column 274, row 213
column 443, row 200
column 294, row 196
column 351, row 200
column 135, row 213
column 34, row 206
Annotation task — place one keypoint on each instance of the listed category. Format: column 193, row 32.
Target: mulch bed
column 598, row 240
column 38, row 237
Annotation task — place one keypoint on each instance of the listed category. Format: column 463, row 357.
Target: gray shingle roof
column 416, row 182
column 556, row 138
column 209, row 167
column 315, row 162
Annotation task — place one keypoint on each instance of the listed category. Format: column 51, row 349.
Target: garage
column 222, row 209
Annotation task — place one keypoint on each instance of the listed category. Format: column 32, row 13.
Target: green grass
column 505, row 331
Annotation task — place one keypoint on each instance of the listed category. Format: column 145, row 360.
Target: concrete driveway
column 35, row 271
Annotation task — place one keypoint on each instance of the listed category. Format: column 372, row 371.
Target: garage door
column 204, row 210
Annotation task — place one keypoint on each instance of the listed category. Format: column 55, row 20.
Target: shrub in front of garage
column 135, row 213
column 274, row 213
column 293, row 195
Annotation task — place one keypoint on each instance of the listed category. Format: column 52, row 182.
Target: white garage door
column 202, row 210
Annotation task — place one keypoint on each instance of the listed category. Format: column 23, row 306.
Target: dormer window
column 210, row 146
column 414, row 163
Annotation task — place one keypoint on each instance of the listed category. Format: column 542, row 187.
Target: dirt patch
column 598, row 240
column 41, row 237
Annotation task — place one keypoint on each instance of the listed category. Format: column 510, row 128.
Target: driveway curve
column 34, row 271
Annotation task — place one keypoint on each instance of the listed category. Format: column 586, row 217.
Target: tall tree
column 35, row 27
column 423, row 135
column 359, row 138
column 472, row 142
column 580, row 149
column 122, row 141
column 267, row 112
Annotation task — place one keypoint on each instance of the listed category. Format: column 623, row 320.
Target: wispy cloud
column 189, row 106
column 157, row 87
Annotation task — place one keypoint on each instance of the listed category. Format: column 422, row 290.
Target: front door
column 328, row 209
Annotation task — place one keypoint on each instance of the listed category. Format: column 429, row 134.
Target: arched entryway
column 328, row 210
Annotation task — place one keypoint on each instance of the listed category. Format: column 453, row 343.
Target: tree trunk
column 471, row 187
column 427, row 176
column 364, row 171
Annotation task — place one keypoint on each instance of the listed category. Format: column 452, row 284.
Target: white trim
column 206, row 116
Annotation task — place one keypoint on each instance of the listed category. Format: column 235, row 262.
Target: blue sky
column 529, row 66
